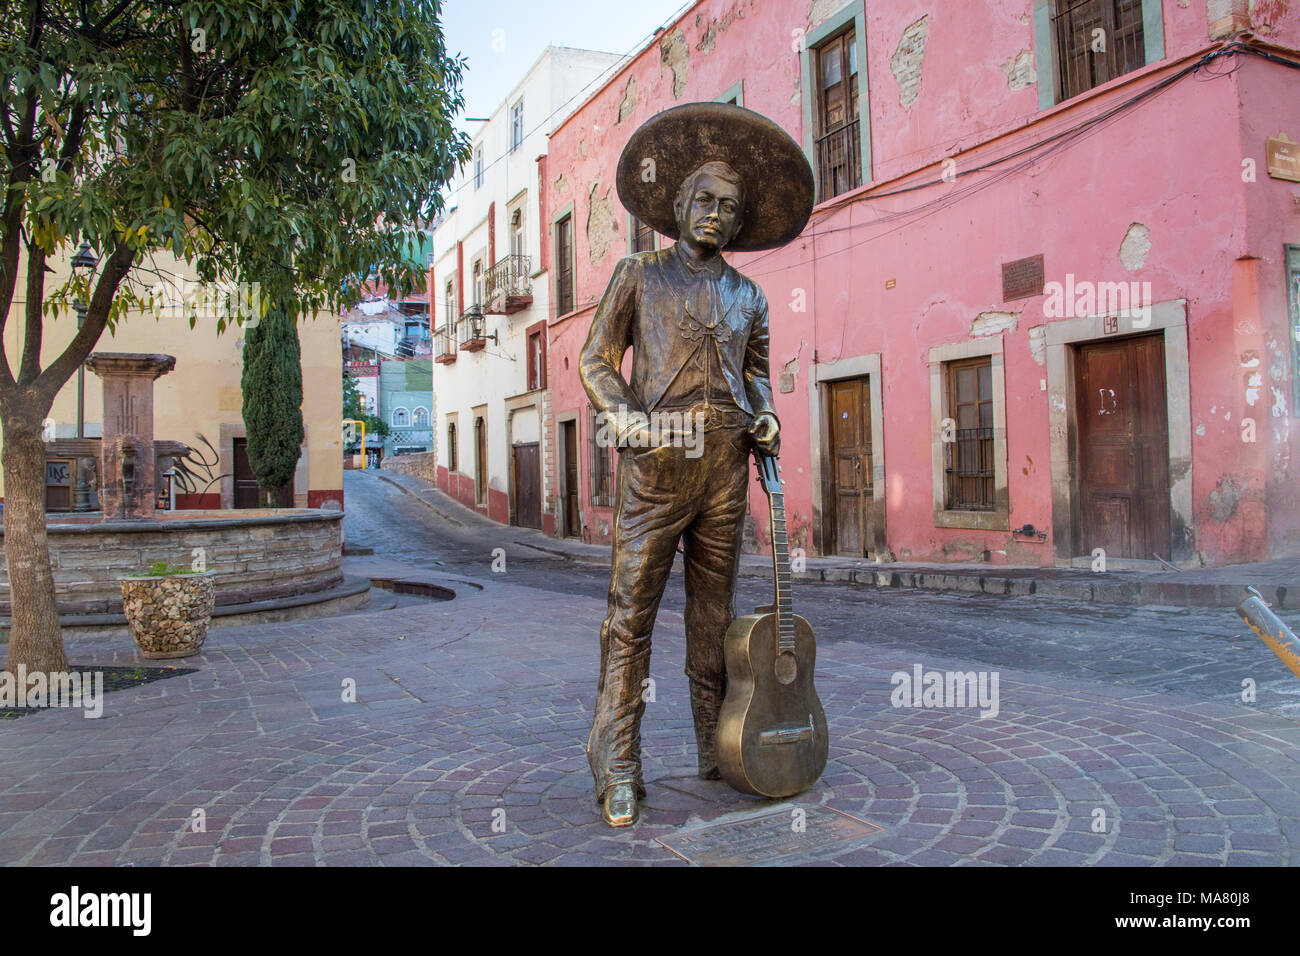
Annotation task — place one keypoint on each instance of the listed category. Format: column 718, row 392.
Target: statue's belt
column 709, row 417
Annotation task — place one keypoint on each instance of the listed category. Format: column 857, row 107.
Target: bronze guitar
column 771, row 738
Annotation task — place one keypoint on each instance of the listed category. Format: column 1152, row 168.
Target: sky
column 501, row 39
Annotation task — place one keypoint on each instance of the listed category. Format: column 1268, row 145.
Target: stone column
column 126, row 474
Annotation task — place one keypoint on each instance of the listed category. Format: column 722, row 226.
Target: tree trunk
column 35, row 639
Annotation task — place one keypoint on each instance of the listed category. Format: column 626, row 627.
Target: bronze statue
column 711, row 176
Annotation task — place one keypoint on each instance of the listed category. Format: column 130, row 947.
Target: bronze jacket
column 645, row 307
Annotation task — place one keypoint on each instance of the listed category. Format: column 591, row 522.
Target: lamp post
column 84, row 259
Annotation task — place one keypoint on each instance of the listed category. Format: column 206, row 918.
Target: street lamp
column 84, row 259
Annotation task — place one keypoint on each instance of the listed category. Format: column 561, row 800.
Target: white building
column 489, row 302
column 373, row 326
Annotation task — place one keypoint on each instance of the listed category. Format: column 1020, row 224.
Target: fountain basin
column 259, row 556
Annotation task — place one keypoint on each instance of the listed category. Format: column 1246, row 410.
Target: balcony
column 472, row 328
column 444, row 348
column 509, row 286
column 839, row 161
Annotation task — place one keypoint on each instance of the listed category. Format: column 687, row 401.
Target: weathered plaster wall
column 1155, row 196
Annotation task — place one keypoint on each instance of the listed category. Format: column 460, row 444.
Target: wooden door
column 572, row 517
column 246, row 489
column 1123, row 451
column 850, row 465
column 528, row 485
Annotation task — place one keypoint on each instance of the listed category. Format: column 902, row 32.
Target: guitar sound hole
column 786, row 668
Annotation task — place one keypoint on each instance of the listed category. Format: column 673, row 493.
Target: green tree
column 272, row 387
column 291, row 143
column 353, row 409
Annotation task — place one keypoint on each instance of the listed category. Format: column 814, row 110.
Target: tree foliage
column 291, row 143
column 272, row 388
column 353, row 409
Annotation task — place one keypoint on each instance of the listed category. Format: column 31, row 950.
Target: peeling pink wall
column 1172, row 164
column 1271, row 106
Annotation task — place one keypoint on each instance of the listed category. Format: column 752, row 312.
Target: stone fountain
column 270, row 564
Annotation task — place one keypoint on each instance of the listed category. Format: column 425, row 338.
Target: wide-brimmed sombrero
column 778, row 179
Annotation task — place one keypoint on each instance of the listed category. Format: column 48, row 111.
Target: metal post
column 81, row 310
column 1281, row 640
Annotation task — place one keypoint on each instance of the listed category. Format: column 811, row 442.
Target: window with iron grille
column 602, row 464
column 516, row 126
column 969, row 467
column 643, row 237
column 564, row 265
column 1096, row 41
column 838, row 143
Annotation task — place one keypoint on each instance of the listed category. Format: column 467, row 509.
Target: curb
column 1106, row 590
column 1089, row 587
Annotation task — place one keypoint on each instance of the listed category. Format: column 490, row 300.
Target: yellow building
column 200, row 398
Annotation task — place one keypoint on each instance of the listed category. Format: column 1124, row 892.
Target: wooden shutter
column 564, row 266
column 970, row 455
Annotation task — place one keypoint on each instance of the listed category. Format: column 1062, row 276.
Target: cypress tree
column 272, row 387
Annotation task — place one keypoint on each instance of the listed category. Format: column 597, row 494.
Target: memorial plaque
column 768, row 837
column 1022, row 278
column 1283, row 159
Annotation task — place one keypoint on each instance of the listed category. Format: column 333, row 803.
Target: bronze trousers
column 662, row 497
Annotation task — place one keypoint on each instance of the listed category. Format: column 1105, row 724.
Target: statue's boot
column 705, row 704
column 621, row 806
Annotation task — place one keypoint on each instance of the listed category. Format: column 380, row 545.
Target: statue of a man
column 711, row 176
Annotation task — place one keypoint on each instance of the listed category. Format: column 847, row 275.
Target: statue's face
column 709, row 215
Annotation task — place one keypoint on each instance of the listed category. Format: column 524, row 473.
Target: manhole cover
column 768, row 837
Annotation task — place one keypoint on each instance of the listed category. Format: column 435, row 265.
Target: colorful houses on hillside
column 1047, row 306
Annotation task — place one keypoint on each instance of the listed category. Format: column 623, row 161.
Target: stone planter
column 168, row 614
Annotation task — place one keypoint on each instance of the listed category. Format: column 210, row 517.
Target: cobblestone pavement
column 473, row 712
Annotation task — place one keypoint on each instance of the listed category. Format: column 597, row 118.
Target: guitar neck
column 781, row 564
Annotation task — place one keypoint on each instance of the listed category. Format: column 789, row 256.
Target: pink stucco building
column 1047, row 300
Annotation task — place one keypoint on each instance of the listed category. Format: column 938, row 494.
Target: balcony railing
column 472, row 329
column 444, row 345
column 509, row 285
column 839, row 161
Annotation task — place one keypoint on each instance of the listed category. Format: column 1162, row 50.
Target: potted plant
column 168, row 609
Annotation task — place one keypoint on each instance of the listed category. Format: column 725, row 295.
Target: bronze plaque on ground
column 773, row 836
column 1022, row 278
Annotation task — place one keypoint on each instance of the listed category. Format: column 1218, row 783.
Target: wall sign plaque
column 1283, row 159
column 1022, row 278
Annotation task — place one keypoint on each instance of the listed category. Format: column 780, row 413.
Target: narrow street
column 1202, row 653
column 452, row 732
